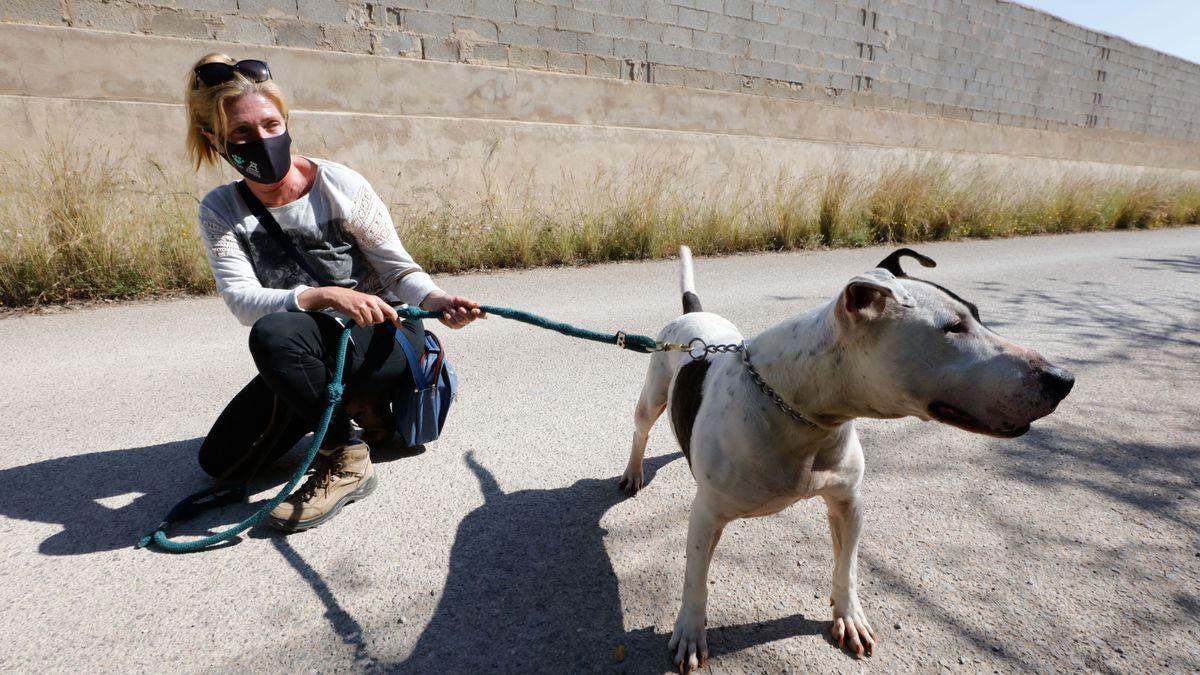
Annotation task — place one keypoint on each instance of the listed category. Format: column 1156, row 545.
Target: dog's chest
column 766, row 470
column 784, row 479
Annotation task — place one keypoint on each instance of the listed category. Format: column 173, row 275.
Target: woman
column 342, row 234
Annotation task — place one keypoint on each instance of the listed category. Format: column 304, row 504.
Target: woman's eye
column 955, row 327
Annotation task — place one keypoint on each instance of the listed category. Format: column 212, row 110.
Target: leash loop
column 195, row 504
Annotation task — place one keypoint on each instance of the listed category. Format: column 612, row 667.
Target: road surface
column 508, row 547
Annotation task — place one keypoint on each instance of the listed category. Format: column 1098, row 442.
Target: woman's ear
column 212, row 140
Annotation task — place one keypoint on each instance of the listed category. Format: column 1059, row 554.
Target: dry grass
column 78, row 227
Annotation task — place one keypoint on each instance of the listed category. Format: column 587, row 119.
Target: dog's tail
column 687, row 282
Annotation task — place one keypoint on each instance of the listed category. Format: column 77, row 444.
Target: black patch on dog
column 685, row 403
column 970, row 305
column 892, row 262
column 691, row 303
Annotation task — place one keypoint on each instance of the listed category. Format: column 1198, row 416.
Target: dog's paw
column 852, row 632
column 632, row 481
column 689, row 645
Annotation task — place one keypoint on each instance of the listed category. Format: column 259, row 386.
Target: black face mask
column 266, row 160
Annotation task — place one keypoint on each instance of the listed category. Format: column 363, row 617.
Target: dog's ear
column 892, row 262
column 866, row 295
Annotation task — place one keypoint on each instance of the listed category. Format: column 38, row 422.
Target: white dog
column 765, row 426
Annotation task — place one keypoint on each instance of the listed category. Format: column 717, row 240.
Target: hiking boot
column 341, row 474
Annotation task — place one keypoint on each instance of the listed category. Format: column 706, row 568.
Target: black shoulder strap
column 268, row 222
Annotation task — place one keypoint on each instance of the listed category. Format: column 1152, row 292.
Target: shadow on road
column 103, row 500
column 342, row 623
column 1188, row 264
column 530, row 582
column 107, row 500
column 1153, row 478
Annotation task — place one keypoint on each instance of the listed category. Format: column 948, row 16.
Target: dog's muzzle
column 1056, row 383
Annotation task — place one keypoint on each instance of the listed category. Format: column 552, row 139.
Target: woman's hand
column 363, row 308
column 456, row 310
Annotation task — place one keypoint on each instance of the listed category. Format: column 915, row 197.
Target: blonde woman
column 343, row 234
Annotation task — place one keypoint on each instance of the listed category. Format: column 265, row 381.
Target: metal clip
column 621, row 339
column 660, row 346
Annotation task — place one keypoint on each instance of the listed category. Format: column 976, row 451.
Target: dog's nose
column 1057, row 382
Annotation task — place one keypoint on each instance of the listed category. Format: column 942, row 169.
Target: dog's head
column 930, row 355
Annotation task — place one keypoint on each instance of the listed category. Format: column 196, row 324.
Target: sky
column 1165, row 25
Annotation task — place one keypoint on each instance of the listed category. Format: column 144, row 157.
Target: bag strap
column 272, row 227
column 414, row 363
column 289, row 247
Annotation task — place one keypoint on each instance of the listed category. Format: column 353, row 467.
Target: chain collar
column 698, row 349
column 770, row 392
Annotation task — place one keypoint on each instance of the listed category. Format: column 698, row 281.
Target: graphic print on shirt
column 326, row 248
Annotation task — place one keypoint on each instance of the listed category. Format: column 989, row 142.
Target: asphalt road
column 508, row 547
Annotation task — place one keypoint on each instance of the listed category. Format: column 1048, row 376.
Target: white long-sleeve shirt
column 341, row 228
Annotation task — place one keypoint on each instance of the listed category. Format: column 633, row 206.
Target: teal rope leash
column 211, row 498
column 633, row 342
column 194, row 504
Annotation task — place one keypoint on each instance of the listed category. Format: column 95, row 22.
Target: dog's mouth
column 944, row 412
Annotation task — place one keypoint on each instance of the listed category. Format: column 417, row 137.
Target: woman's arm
column 234, row 274
column 373, row 230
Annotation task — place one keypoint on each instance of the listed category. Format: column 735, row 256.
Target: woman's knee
column 278, row 332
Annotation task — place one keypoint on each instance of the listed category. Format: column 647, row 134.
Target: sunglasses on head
column 212, row 74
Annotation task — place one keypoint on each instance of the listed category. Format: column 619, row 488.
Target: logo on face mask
column 266, row 160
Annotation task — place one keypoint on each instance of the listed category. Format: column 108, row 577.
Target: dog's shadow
column 531, row 587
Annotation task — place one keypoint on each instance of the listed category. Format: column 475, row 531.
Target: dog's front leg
column 687, row 641
column 849, row 622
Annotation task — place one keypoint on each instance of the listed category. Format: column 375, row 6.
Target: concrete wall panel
column 424, row 131
column 968, row 59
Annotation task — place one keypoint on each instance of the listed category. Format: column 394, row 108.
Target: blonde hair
column 206, row 107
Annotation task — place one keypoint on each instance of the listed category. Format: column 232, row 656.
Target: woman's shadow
column 107, row 500
column 103, row 500
column 531, row 588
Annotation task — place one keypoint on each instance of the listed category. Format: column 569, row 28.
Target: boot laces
column 325, row 472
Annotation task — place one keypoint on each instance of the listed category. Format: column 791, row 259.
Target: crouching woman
column 344, row 236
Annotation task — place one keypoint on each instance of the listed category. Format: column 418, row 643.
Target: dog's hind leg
column 650, row 406
column 850, row 627
column 688, row 640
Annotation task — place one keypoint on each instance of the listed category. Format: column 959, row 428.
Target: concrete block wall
column 986, row 61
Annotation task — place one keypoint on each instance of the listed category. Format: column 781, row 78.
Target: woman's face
column 252, row 117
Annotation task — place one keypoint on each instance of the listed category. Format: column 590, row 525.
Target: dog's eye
column 955, row 327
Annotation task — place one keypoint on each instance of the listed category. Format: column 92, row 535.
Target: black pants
column 294, row 353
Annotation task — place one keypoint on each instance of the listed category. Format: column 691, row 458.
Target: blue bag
column 421, row 411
